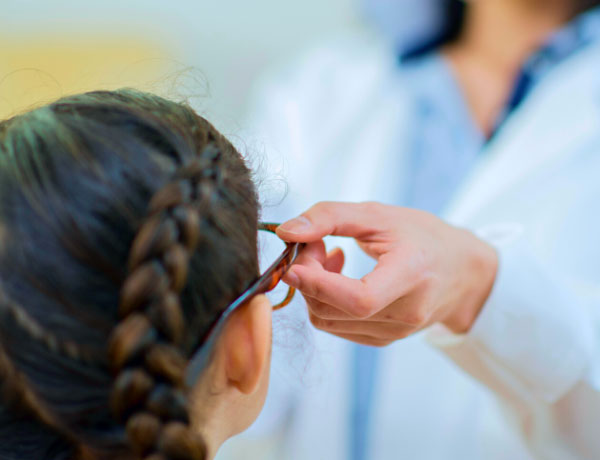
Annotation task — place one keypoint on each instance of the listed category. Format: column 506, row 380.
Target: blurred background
column 210, row 52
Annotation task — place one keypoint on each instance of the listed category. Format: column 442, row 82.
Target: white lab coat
column 525, row 382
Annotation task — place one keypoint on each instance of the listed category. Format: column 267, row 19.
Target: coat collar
column 560, row 115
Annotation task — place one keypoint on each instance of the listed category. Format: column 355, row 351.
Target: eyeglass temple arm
column 268, row 227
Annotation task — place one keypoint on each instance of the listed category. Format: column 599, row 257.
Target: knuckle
column 365, row 304
column 363, row 307
column 316, row 321
column 392, row 314
column 371, row 207
column 415, row 317
column 393, row 318
column 419, row 275
column 423, row 280
column 321, row 206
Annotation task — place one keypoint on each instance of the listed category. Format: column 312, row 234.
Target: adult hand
column 427, row 271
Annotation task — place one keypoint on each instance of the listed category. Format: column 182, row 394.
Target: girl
column 128, row 225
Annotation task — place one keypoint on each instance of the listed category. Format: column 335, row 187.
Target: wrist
column 479, row 276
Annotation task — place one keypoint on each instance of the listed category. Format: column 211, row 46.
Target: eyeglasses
column 265, row 283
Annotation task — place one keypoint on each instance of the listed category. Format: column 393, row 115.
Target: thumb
column 330, row 218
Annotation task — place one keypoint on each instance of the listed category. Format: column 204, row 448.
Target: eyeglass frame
column 263, row 284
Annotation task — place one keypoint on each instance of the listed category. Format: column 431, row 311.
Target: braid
column 146, row 347
column 128, row 223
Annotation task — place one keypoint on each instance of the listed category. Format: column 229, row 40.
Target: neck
column 211, row 432
column 508, row 31
column 215, row 414
column 497, row 37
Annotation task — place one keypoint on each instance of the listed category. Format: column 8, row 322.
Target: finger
column 395, row 276
column 325, row 311
column 361, row 298
column 331, row 288
column 314, row 251
column 331, row 218
column 401, row 311
column 312, row 256
column 334, row 262
column 377, row 329
column 364, row 340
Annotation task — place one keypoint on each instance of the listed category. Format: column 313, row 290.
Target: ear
column 246, row 344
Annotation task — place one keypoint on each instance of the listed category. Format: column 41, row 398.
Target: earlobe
column 247, row 345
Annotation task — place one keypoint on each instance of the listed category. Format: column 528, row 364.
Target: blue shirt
column 445, row 147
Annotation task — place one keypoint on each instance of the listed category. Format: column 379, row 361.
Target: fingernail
column 291, row 278
column 297, row 225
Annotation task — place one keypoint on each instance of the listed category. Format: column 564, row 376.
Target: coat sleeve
column 536, row 346
column 532, row 334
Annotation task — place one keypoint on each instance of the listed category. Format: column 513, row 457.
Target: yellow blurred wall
column 41, row 69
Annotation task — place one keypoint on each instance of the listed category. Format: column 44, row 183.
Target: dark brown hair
column 127, row 224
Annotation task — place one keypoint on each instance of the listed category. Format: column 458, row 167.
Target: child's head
column 127, row 224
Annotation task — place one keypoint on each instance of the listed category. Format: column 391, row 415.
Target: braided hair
column 127, row 224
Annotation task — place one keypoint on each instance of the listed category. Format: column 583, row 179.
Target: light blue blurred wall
column 229, row 42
